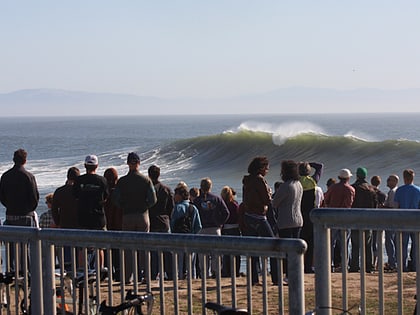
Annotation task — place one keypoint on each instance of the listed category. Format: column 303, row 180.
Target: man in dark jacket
column 19, row 194
column 134, row 194
column 160, row 215
column 365, row 197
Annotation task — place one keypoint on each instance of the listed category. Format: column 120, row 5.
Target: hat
column 133, row 158
column 91, row 160
column 345, row 173
column 361, row 172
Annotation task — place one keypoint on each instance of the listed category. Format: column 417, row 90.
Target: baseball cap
column 345, row 173
column 91, row 160
column 133, row 158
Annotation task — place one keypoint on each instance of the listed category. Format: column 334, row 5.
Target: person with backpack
column 213, row 214
column 185, row 219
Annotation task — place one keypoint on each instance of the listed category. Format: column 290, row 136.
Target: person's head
column 289, row 170
column 91, row 163
column 408, row 175
column 205, row 185
column 392, row 181
column 49, row 200
column 181, row 193
column 344, row 174
column 331, row 181
column 154, row 173
column 227, row 194
column 361, row 173
column 19, row 157
column 182, row 184
column 111, row 176
column 133, row 160
column 304, row 169
column 72, row 173
column 194, row 193
column 375, row 180
column 258, row 166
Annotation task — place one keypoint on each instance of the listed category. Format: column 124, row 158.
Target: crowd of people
column 139, row 202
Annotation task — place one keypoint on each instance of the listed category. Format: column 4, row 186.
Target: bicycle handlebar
column 132, row 301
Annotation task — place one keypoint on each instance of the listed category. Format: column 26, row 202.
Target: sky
column 208, row 49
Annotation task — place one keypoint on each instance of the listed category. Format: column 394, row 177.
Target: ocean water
column 189, row 148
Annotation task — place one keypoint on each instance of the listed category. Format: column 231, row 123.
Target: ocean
column 188, row 148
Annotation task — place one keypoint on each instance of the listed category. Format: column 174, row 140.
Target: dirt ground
column 353, row 285
column 353, row 289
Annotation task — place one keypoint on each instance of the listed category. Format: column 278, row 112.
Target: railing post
column 49, row 278
column 36, row 274
column 322, row 260
column 295, row 267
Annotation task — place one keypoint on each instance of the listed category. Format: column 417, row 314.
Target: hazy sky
column 208, row 48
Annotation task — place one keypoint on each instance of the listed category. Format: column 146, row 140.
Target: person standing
column 160, row 215
column 365, row 197
column 113, row 219
column 287, row 207
column 390, row 236
column 256, row 199
column 231, row 227
column 213, row 214
column 184, row 208
column 64, row 206
column 407, row 196
column 339, row 195
column 381, row 198
column 309, row 183
column 91, row 192
column 46, row 219
column 19, row 194
column 134, row 194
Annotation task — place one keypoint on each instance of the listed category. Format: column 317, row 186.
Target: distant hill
column 51, row 102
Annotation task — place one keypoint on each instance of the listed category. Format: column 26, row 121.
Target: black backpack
column 184, row 223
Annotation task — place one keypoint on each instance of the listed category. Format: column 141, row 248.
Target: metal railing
column 359, row 221
column 44, row 245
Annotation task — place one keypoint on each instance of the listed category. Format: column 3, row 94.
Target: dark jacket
column 91, row 192
column 365, row 196
column 134, row 193
column 18, row 191
column 64, row 208
column 256, row 194
column 160, row 213
column 212, row 209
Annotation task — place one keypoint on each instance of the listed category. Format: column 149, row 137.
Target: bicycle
column 342, row 311
column 220, row 309
column 133, row 303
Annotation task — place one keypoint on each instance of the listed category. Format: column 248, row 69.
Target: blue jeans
column 256, row 227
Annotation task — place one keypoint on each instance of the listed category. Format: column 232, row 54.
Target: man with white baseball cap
column 91, row 191
column 339, row 195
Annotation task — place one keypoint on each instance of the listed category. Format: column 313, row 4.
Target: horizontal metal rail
column 43, row 244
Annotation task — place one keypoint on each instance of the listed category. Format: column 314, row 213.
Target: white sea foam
column 281, row 132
